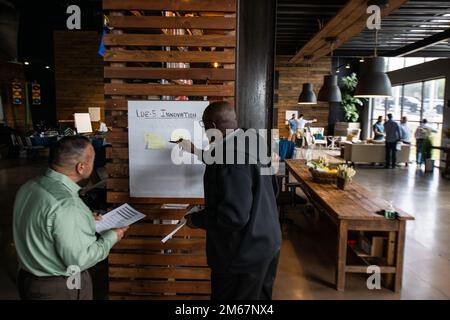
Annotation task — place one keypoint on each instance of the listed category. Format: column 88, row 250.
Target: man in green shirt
column 54, row 231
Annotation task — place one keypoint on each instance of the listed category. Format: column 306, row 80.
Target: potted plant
column 427, row 153
column 344, row 176
column 349, row 104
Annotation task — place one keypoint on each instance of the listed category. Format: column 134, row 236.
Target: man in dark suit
column 243, row 235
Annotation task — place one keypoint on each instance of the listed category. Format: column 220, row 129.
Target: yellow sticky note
column 154, row 141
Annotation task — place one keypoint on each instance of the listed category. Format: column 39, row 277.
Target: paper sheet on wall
column 288, row 115
column 158, row 168
column 83, row 122
column 95, row 114
column 120, row 217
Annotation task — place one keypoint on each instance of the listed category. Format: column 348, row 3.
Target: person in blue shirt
column 293, row 126
column 378, row 129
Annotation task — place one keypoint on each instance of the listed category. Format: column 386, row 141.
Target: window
column 433, row 109
column 395, row 63
column 394, row 104
column 412, row 101
column 413, row 61
column 416, row 101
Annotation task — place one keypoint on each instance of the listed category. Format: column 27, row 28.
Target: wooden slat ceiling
column 298, row 22
column 413, row 22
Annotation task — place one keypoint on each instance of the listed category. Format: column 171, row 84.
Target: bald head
column 220, row 115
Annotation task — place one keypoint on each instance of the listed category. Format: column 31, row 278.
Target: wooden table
column 355, row 209
column 446, row 150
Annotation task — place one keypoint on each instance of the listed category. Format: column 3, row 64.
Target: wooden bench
column 355, row 209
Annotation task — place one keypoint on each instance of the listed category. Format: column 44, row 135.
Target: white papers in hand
column 178, row 227
column 118, row 218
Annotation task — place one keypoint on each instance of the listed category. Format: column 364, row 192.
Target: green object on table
column 390, row 212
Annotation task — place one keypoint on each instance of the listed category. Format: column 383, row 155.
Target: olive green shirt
column 54, row 229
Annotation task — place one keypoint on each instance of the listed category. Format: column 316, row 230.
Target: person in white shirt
column 301, row 123
column 422, row 131
column 405, row 131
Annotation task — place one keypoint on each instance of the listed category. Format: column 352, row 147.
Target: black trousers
column 391, row 154
column 245, row 286
column 32, row 287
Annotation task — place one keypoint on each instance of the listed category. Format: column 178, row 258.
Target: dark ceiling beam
column 421, row 45
column 385, row 24
column 305, row 13
column 418, row 16
column 425, row 3
column 354, row 53
column 423, row 11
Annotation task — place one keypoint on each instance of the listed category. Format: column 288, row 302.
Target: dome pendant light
column 307, row 96
column 330, row 91
column 373, row 82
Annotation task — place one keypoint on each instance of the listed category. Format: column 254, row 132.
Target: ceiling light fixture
column 307, row 96
column 373, row 81
column 330, row 91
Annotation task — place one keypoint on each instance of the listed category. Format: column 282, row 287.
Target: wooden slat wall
column 78, row 73
column 141, row 267
column 291, row 77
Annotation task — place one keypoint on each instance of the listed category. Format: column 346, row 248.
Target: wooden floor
column 306, row 268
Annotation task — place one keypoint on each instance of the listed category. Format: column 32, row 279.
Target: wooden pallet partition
column 140, row 266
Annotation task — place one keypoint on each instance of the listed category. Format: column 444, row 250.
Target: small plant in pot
column 344, row 176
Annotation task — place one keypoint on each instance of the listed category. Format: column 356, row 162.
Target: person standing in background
column 393, row 136
column 302, row 122
column 378, row 129
column 422, row 131
column 405, row 131
column 293, row 125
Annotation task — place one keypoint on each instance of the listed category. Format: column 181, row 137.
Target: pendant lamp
column 307, row 96
column 373, row 81
column 330, row 91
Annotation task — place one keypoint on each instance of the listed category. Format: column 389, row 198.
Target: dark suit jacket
column 240, row 217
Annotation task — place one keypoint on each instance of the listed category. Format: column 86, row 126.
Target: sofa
column 371, row 153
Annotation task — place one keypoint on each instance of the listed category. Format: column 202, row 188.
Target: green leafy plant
column 426, row 147
column 349, row 103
